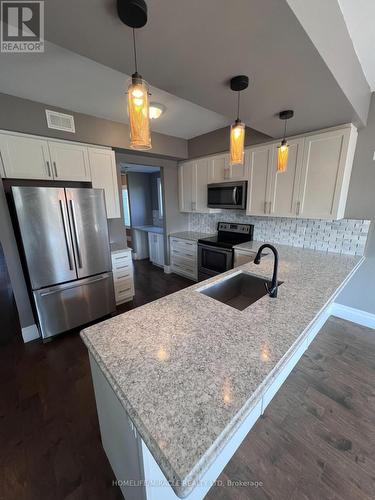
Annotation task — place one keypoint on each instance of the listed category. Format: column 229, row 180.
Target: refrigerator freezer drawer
column 63, row 307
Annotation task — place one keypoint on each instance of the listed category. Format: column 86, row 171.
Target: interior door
column 44, row 225
column 260, row 162
column 69, row 161
column 285, row 185
column 89, row 230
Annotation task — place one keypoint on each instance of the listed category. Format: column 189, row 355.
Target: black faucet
column 272, row 292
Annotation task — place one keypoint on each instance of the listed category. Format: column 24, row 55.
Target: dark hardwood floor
column 315, row 441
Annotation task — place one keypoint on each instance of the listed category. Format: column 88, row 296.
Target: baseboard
column 355, row 315
column 30, row 333
column 167, row 269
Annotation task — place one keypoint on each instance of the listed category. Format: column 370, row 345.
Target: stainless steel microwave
column 227, row 195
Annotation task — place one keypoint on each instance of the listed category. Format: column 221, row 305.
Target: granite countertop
column 188, row 369
column 150, row 229
column 191, row 235
column 251, row 246
column 119, row 246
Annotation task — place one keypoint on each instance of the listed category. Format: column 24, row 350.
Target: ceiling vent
column 60, row 121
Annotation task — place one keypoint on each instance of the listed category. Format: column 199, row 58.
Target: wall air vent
column 60, row 121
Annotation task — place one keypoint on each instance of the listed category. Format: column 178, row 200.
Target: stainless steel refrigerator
column 65, row 240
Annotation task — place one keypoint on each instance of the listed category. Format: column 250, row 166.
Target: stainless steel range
column 215, row 254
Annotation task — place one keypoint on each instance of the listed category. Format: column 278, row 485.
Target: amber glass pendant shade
column 138, row 111
column 282, row 156
column 237, row 143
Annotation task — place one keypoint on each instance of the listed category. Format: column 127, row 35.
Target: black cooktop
column 229, row 235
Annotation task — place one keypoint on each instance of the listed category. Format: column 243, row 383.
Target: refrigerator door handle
column 66, row 235
column 76, row 239
column 74, row 285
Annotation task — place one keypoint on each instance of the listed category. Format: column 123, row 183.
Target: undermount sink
column 239, row 291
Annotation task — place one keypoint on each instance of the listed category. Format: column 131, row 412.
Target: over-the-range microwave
column 227, row 195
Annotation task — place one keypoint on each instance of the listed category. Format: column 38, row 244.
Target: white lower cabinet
column 122, row 269
column 156, row 248
column 184, row 257
column 103, row 172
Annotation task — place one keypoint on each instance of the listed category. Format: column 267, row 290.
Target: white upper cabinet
column 326, row 169
column 315, row 184
column 25, row 157
column 193, row 180
column 260, row 162
column 104, row 175
column 284, row 190
column 218, row 168
column 186, row 187
column 69, row 161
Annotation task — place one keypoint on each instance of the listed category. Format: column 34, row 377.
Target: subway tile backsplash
column 343, row 236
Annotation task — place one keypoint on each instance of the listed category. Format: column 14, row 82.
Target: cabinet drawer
column 121, row 260
column 126, row 272
column 184, row 266
column 184, row 245
column 124, row 288
column 187, row 254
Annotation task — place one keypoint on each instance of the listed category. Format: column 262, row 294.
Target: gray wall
column 359, row 293
column 218, row 141
column 13, row 262
column 139, row 189
column 22, row 115
column 361, row 197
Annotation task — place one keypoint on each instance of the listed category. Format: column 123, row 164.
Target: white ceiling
column 62, row 78
column 359, row 17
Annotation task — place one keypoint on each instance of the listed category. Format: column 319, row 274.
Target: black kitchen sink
column 240, row 290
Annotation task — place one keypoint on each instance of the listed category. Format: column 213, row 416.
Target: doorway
column 144, row 214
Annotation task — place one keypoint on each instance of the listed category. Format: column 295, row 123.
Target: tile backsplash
column 343, row 236
column 156, row 219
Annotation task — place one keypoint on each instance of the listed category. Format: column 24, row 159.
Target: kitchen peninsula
column 180, row 381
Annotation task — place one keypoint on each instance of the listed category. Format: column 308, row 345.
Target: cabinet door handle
column 298, row 207
column 55, row 168
column 48, row 169
column 270, row 207
column 265, row 207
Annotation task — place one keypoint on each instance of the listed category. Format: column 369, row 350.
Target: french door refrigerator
column 64, row 235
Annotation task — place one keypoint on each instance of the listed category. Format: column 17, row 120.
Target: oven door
column 213, row 260
column 227, row 195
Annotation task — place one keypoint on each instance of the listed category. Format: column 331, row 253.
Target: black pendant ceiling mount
column 286, row 115
column 133, row 13
column 239, row 83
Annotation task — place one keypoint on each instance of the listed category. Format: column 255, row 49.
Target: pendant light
column 133, row 13
column 283, row 149
column 237, row 129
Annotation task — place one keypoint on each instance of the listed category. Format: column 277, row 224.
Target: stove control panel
column 235, row 228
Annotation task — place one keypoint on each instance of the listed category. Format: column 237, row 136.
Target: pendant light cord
column 285, row 129
column 238, row 106
column 135, row 52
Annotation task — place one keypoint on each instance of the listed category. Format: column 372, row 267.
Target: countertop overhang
column 187, row 368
